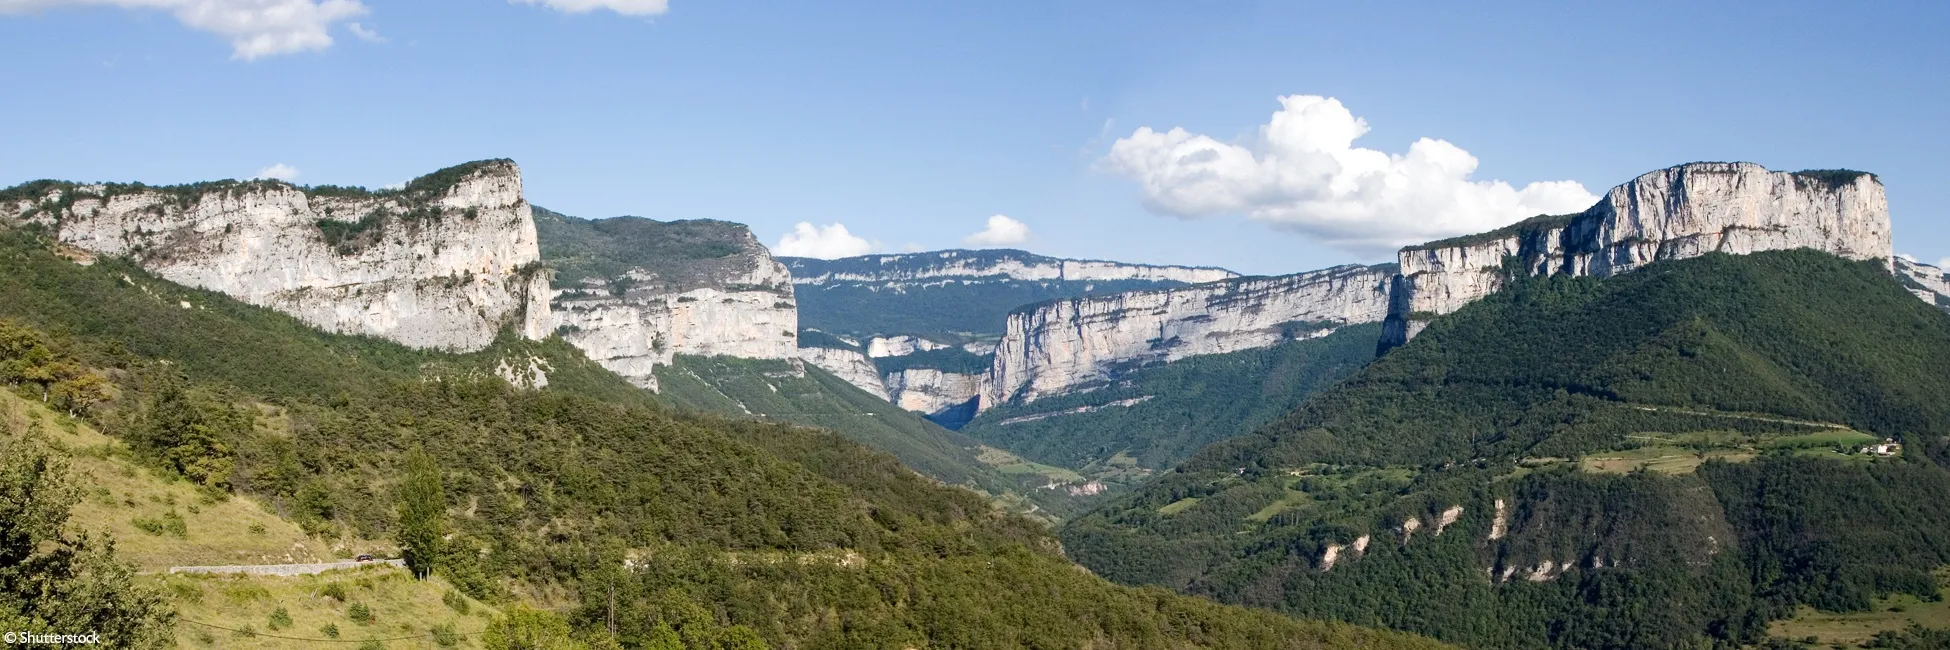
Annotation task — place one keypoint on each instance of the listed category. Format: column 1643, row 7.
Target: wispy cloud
column 279, row 171
column 625, row 7
column 364, row 33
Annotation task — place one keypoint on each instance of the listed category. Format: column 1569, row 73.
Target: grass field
column 1013, row 465
column 333, row 609
column 1851, row 629
column 159, row 522
column 1178, row 506
column 1662, row 459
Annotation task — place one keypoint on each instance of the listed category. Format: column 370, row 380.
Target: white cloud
column 364, row 33
column 1302, row 173
column 1001, row 231
column 625, row 7
column 279, row 171
column 1943, row 264
column 255, row 28
column 824, row 242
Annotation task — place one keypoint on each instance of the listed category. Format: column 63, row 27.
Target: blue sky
column 913, row 124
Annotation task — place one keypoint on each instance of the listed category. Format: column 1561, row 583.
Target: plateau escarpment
column 1675, row 213
column 445, row 262
column 1063, row 345
column 633, row 293
column 947, row 294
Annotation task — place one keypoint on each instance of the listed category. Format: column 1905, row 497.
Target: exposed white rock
column 748, row 314
column 1409, row 527
column 1675, row 213
column 1448, row 517
column 1009, row 264
column 1330, row 556
column 1926, row 281
column 1542, row 572
column 1501, row 526
column 1361, row 544
column 850, row 365
column 430, row 267
column 530, row 373
column 928, row 390
column 899, row 346
column 1058, row 346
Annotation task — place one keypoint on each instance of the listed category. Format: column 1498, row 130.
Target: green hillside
column 806, row 395
column 1675, row 451
column 736, row 533
column 1152, row 418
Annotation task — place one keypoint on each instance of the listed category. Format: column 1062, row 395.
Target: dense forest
column 1669, row 457
column 710, row 532
column 1172, row 410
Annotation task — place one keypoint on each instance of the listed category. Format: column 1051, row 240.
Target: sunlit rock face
column 638, row 309
column 1063, row 345
column 445, row 262
column 1926, row 281
column 1675, row 213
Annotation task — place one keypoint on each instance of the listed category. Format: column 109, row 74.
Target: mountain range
column 1675, row 418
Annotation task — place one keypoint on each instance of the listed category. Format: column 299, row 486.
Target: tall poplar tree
column 422, row 513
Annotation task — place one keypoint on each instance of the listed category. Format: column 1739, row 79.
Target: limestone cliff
column 848, row 364
column 956, row 295
column 444, row 262
column 931, row 390
column 1927, row 281
column 909, row 268
column 1063, row 345
column 1673, row 213
column 633, row 293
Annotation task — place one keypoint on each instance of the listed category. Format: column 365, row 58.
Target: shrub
column 359, row 613
column 280, row 619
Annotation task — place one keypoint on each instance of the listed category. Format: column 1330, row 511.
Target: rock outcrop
column 633, row 293
column 1926, row 281
column 900, row 346
column 445, row 262
column 1674, row 213
column 1064, row 345
column 930, row 390
column 848, row 364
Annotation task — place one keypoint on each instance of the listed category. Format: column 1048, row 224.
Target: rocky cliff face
column 1060, row 346
column 1674, row 213
column 996, row 264
column 850, row 365
column 1927, row 281
column 444, row 263
column 931, row 390
column 634, row 293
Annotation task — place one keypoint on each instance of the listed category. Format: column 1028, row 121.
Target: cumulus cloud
column 279, row 171
column 255, row 28
column 1001, row 231
column 1303, row 173
column 824, row 242
column 1943, row 264
column 625, row 7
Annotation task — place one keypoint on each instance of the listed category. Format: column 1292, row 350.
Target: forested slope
column 1669, row 456
column 735, row 533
